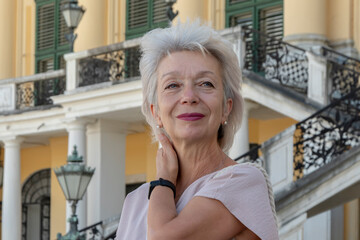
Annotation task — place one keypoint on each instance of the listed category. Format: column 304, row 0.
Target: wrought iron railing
column 348, row 62
column 278, row 61
column 344, row 73
column 96, row 232
column 35, row 90
column 251, row 156
column 327, row 134
column 343, row 80
column 115, row 63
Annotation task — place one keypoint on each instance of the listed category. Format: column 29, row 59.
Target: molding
column 96, row 91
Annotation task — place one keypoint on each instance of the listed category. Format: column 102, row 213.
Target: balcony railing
column 276, row 60
column 116, row 63
column 327, row 134
column 344, row 73
column 31, row 91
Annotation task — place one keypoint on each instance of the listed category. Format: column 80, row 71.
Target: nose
column 189, row 95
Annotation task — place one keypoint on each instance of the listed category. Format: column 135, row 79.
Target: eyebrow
column 200, row 74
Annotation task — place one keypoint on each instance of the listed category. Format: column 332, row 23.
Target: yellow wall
column 58, row 155
column 209, row 11
column 339, row 20
column 8, row 38
column 262, row 130
column 305, row 16
column 140, row 155
column 34, row 159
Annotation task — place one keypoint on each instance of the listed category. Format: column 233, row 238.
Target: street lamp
column 72, row 13
column 74, row 177
column 170, row 12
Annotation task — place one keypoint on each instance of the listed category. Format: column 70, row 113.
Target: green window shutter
column 143, row 16
column 62, row 28
column 137, row 13
column 238, row 1
column 159, row 12
column 51, row 43
column 45, row 27
column 271, row 22
column 45, row 65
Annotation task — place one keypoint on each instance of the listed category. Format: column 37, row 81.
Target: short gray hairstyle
column 159, row 43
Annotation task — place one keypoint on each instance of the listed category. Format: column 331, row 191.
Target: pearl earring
column 225, row 123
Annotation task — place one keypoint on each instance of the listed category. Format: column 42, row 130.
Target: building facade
column 301, row 67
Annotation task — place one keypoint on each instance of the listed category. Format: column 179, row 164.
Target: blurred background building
column 301, row 68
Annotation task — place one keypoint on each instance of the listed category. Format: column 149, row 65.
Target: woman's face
column 190, row 96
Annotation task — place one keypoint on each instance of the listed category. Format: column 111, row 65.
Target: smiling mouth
column 190, row 116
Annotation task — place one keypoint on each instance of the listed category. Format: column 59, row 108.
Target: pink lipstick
column 190, row 116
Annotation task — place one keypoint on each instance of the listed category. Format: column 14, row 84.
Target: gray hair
column 159, row 43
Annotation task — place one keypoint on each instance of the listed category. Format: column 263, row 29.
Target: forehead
column 188, row 62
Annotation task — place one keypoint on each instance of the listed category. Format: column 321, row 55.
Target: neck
column 197, row 160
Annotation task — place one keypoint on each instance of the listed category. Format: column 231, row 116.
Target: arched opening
column 36, row 206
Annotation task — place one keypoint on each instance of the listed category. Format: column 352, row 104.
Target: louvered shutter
column 45, row 26
column 62, row 28
column 271, row 24
column 137, row 13
column 159, row 11
column 45, row 65
column 238, row 1
column 245, row 20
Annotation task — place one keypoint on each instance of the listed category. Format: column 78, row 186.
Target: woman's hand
column 167, row 164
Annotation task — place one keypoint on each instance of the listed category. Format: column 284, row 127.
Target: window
column 51, row 44
column 265, row 16
column 144, row 15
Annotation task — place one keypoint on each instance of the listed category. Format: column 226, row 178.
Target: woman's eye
column 171, row 86
column 207, row 84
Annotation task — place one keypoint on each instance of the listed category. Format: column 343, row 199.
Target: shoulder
column 244, row 172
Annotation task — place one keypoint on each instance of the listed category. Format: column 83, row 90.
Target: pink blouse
column 241, row 188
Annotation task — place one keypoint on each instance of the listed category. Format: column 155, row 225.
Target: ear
column 228, row 108
column 155, row 114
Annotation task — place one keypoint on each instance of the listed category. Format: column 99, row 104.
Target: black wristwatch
column 161, row 182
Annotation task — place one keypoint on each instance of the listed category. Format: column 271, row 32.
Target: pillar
column 241, row 139
column 305, row 22
column 77, row 136
column 106, row 144
column 95, row 19
column 341, row 27
column 11, row 205
column 7, row 40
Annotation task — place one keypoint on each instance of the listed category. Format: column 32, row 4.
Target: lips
column 190, row 116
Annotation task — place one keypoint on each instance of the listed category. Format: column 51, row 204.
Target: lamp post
column 74, row 177
column 170, row 12
column 72, row 13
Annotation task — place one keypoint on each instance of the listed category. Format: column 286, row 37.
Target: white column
column 241, row 138
column 11, row 205
column 106, row 151
column 77, row 136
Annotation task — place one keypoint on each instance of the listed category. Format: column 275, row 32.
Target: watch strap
column 161, row 182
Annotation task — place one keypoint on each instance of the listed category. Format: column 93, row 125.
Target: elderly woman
column 191, row 87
